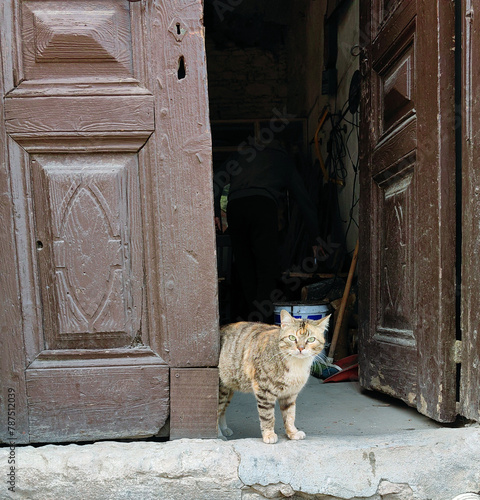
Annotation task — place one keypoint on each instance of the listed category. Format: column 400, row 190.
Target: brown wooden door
column 107, row 241
column 407, row 230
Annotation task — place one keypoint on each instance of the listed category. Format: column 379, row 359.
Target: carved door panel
column 104, row 168
column 407, row 230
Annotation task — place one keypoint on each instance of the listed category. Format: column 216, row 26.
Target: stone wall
column 245, row 83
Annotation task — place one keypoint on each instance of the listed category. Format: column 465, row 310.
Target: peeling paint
column 440, row 398
column 387, row 389
column 423, row 406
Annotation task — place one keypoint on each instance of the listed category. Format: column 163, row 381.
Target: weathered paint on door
column 407, row 229
column 108, row 259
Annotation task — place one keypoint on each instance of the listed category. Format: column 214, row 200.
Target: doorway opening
column 291, row 69
column 276, row 70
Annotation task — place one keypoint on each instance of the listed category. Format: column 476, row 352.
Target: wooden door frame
column 469, row 352
column 12, row 373
column 181, row 157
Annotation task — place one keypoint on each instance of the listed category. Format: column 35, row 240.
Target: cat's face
column 302, row 338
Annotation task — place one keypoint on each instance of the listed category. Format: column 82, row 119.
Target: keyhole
column 39, row 245
column 181, row 68
column 178, row 29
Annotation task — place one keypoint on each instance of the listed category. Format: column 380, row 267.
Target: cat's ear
column 322, row 321
column 286, row 319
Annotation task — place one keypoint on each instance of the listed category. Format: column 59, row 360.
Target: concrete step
column 435, row 464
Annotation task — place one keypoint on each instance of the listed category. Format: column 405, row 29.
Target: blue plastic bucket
column 301, row 310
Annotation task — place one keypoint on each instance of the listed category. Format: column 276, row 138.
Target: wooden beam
column 193, row 402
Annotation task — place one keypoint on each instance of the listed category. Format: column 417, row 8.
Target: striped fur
column 272, row 362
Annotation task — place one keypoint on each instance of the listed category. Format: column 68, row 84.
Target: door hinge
column 457, row 353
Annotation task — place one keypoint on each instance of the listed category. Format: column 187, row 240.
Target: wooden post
column 194, row 403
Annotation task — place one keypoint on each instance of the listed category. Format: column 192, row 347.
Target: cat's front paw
column 270, row 437
column 224, row 432
column 297, row 435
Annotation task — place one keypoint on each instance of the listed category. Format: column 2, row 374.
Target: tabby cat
column 272, row 362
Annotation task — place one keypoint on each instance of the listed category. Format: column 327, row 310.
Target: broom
column 332, row 369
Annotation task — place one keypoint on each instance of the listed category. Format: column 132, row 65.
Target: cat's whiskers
column 322, row 357
column 321, row 362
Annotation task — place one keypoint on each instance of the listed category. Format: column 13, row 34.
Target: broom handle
column 343, row 304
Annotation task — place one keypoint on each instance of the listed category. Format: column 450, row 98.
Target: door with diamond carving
column 108, row 270
column 407, row 230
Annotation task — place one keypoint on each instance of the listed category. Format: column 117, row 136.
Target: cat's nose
column 300, row 347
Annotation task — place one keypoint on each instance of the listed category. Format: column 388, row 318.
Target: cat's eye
column 311, row 339
column 292, row 338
